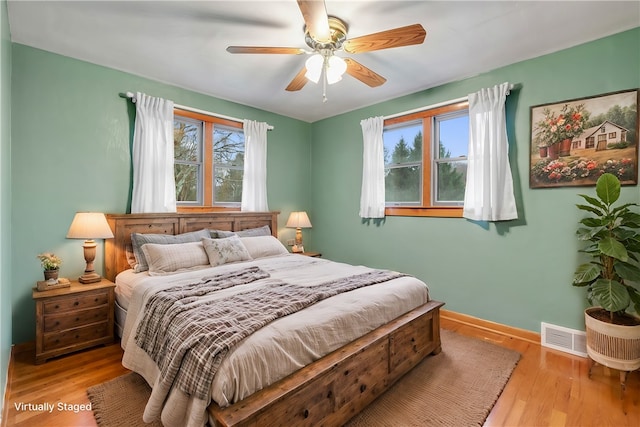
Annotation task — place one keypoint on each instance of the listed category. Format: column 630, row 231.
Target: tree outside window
column 208, row 159
column 425, row 157
column 228, row 164
column 187, row 146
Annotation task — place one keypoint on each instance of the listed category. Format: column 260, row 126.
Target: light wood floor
column 547, row 388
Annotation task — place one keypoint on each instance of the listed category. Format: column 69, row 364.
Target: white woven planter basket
column 614, row 346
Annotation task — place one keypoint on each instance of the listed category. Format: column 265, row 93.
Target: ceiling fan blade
column 298, row 81
column 364, row 74
column 402, row 36
column 265, row 49
column 316, row 19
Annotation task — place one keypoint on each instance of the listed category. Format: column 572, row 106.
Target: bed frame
column 331, row 390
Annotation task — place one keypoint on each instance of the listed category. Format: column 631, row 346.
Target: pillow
column 223, row 251
column 139, row 239
column 174, row 258
column 131, row 258
column 262, row 246
column 249, row 232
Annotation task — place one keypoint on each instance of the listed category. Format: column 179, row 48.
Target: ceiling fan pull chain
column 324, row 84
column 324, row 79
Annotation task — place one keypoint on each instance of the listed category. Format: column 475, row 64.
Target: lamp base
column 89, row 278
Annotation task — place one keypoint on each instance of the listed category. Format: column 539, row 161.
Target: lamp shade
column 314, row 66
column 335, row 69
column 89, row 225
column 298, row 220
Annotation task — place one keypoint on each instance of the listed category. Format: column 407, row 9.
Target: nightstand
column 73, row 318
column 311, row 254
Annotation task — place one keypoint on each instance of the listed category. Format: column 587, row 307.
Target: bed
column 331, row 376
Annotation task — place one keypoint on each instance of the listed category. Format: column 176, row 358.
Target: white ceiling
column 183, row 42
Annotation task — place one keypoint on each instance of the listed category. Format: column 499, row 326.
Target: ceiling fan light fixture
column 314, row 66
column 326, row 35
column 336, row 67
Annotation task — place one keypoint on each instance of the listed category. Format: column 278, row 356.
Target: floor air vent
column 564, row 339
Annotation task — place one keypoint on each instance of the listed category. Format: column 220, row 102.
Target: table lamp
column 89, row 226
column 298, row 220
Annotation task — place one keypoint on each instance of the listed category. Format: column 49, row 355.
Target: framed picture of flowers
column 573, row 142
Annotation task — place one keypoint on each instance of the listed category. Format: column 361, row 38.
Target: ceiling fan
column 326, row 35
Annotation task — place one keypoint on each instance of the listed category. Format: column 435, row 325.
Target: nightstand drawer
column 75, row 319
column 76, row 302
column 75, row 336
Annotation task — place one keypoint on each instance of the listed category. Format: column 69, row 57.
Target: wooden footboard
column 333, row 389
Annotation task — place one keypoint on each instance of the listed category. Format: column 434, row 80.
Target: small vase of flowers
column 50, row 264
column 558, row 128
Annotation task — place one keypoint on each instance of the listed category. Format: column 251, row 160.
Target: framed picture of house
column 573, row 142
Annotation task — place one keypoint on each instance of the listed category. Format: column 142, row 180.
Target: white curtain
column 489, row 189
column 254, row 182
column 372, row 195
column 154, row 188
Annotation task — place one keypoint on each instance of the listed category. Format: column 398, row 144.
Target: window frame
column 207, row 172
column 427, row 208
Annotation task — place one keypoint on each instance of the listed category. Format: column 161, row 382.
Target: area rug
column 121, row 402
column 457, row 387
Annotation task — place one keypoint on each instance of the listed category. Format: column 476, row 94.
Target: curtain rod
column 432, row 106
column 133, row 99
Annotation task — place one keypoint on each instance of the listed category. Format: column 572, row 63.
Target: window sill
column 208, row 209
column 440, row 211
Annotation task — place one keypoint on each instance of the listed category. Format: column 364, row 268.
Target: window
column 209, row 160
column 425, row 156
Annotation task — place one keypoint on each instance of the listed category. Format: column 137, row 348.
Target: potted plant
column 50, row 264
column 613, row 332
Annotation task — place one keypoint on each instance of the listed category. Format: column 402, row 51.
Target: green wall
column 516, row 273
column 5, row 193
column 71, row 135
column 70, row 140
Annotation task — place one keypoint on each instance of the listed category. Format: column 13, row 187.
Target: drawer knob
column 76, row 303
column 306, row 413
column 57, row 306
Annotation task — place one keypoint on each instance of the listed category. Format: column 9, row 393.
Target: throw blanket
column 164, row 307
column 188, row 338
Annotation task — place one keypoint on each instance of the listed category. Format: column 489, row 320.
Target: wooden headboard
column 122, row 225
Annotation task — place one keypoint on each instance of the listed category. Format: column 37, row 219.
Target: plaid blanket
column 188, row 337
